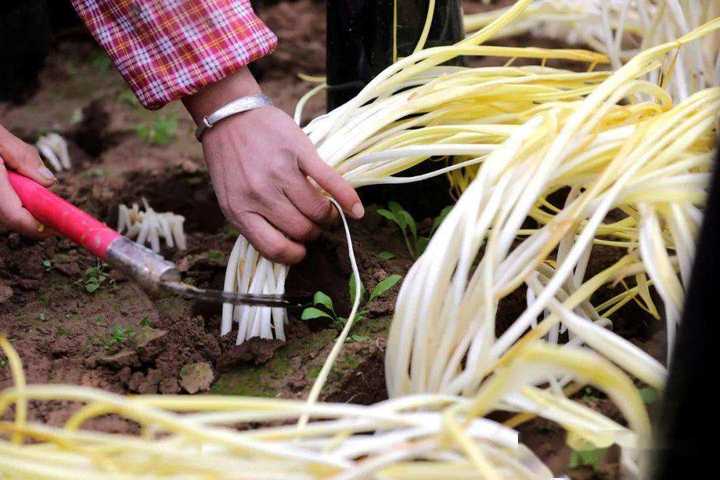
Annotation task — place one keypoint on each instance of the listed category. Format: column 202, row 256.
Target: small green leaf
column 649, row 395
column 396, row 208
column 385, row 255
column 387, row 214
column 385, row 285
column 91, row 287
column 321, row 298
column 351, row 289
column 410, row 222
column 357, row 338
column 422, row 244
column 439, row 219
column 399, row 213
column 215, row 256
column 311, row 313
column 591, row 458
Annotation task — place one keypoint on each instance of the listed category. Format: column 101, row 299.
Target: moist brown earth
column 126, row 340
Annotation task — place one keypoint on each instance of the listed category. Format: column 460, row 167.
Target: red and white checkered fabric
column 167, row 49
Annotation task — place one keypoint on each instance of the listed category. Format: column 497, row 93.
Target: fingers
column 272, row 244
column 332, row 182
column 23, row 158
column 12, row 213
column 310, row 202
column 289, row 220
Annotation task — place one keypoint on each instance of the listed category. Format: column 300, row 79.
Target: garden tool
column 148, row 268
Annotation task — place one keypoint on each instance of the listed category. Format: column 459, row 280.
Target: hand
column 24, row 159
column 261, row 163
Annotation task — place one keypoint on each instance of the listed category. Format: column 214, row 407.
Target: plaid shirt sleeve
column 167, row 49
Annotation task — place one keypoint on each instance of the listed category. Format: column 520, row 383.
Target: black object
column 689, row 399
column 24, row 45
column 360, row 38
column 360, row 45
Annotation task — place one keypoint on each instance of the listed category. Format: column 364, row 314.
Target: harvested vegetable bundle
column 615, row 151
column 149, row 226
column 424, row 436
column 622, row 29
column 412, row 112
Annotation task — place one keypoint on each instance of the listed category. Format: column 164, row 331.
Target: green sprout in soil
column 119, row 335
column 323, row 305
column 215, row 256
column 414, row 242
column 649, row 395
column 101, row 61
column 94, row 278
column 357, row 338
column 385, row 256
column 159, row 132
column 47, row 265
column 62, row 331
column 145, row 322
column 588, row 458
column 128, row 98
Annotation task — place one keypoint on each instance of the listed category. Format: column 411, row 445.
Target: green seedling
column 415, row 243
column 94, row 277
column 216, row 256
column 592, row 458
column 159, row 132
column 590, row 394
column 649, row 395
column 323, row 307
column 145, row 322
column 47, row 265
column 128, row 98
column 119, row 334
column 101, row 61
column 357, row 338
column 385, row 256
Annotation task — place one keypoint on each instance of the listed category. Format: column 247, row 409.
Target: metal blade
column 218, row 296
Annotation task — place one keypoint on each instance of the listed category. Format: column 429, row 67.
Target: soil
column 126, row 340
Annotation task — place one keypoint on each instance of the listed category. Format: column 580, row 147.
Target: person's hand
column 260, row 163
column 24, row 159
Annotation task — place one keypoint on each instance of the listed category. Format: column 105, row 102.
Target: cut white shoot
column 146, row 226
column 54, row 149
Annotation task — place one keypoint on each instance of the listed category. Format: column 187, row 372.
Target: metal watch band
column 240, row 105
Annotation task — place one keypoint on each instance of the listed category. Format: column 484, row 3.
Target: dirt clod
column 5, row 292
column 196, row 377
column 169, row 386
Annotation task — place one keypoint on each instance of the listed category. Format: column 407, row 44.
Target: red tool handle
column 63, row 217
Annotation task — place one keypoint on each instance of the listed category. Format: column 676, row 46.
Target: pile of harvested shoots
column 635, row 160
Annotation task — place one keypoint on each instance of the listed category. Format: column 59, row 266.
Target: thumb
column 24, row 159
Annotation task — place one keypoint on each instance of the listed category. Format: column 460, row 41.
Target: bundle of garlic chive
column 634, row 156
column 146, row 226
